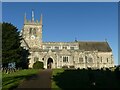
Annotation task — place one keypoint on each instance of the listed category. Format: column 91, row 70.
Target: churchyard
column 13, row 79
column 86, row 78
column 67, row 78
column 15, row 61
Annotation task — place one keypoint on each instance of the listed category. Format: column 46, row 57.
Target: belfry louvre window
column 30, row 32
column 34, row 32
column 65, row 59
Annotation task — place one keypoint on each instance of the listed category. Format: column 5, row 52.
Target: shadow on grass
column 87, row 79
column 15, row 80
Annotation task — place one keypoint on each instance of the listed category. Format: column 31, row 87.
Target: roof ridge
column 91, row 41
column 70, row 41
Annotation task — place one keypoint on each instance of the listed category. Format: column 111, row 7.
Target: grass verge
column 54, row 73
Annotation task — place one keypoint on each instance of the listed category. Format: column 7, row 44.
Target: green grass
column 12, row 80
column 83, row 78
column 0, row 79
column 54, row 73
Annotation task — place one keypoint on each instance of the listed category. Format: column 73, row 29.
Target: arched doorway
column 49, row 63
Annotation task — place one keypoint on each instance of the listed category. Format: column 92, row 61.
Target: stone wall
column 78, row 59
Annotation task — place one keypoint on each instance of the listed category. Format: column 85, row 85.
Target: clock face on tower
column 32, row 37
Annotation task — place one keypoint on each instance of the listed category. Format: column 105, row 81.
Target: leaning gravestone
column 11, row 67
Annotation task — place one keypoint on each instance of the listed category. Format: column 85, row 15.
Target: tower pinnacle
column 41, row 19
column 32, row 16
column 25, row 18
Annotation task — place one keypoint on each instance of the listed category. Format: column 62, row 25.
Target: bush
column 65, row 67
column 72, row 66
column 38, row 65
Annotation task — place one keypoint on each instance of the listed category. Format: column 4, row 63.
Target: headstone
column 11, row 65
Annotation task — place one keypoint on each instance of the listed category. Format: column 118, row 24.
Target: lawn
column 12, row 80
column 54, row 73
column 83, row 78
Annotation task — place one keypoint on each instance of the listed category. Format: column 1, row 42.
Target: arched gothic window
column 90, row 60
column 85, row 59
column 80, row 60
column 101, row 59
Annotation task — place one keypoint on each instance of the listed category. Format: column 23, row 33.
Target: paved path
column 42, row 80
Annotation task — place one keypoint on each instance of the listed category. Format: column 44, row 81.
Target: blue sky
column 95, row 21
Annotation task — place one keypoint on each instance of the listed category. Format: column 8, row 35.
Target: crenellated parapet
column 32, row 21
column 29, row 22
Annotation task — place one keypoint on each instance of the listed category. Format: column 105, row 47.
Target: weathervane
column 75, row 39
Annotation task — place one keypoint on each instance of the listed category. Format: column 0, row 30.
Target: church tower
column 32, row 32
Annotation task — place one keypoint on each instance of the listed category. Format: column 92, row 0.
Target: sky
column 85, row 21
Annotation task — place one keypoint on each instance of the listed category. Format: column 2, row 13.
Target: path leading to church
column 42, row 80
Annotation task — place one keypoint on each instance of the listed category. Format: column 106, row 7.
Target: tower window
column 34, row 32
column 30, row 32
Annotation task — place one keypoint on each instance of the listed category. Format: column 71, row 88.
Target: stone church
column 76, row 54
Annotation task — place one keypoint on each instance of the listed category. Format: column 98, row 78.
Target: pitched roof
column 91, row 46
